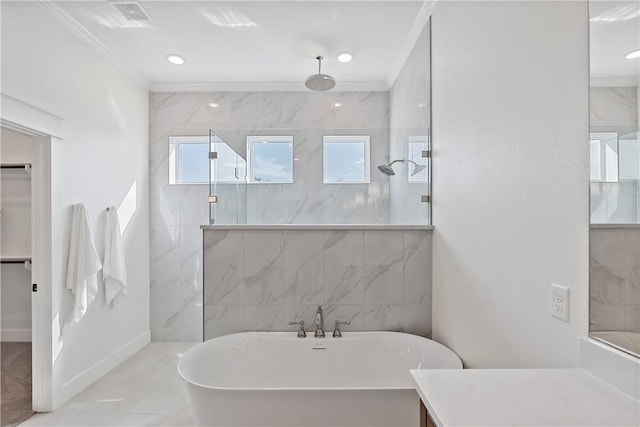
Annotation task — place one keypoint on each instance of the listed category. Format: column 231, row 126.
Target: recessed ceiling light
column 175, row 59
column 214, row 105
column 633, row 55
column 338, row 104
column 345, row 57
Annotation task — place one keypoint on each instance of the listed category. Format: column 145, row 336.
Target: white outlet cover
column 560, row 302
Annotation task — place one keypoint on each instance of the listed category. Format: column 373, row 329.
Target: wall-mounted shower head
column 320, row 82
column 417, row 168
column 388, row 170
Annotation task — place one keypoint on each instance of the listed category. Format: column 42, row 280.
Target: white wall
column 510, row 180
column 103, row 162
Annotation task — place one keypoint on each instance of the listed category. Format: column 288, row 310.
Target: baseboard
column 99, row 369
column 15, row 335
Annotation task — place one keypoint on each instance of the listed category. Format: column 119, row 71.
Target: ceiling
column 614, row 32
column 250, row 41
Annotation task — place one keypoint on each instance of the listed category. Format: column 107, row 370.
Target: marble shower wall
column 410, row 119
column 613, row 109
column 614, row 286
column 259, row 280
column 177, row 211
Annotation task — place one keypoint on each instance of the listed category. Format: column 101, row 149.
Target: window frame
column 174, row 159
column 366, row 141
column 270, row 139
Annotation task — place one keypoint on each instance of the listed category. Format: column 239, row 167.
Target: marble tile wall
column 615, row 279
column 177, row 211
column 259, row 280
column 613, row 109
column 410, row 119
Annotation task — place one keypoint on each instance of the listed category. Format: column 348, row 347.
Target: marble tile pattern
column 614, row 287
column 259, row 280
column 410, row 120
column 613, row 109
column 178, row 210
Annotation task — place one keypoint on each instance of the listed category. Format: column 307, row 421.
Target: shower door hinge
column 426, row 153
column 213, row 155
column 426, row 199
column 213, row 199
column 34, row 287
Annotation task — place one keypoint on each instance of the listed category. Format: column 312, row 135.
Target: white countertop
column 523, row 397
column 315, row 227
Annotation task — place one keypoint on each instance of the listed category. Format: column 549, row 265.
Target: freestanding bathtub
column 276, row 379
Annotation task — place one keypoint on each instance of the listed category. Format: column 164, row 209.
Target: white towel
column 113, row 269
column 84, row 262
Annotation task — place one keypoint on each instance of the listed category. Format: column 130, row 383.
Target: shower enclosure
column 319, row 176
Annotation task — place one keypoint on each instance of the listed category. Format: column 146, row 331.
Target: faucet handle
column 337, row 333
column 301, row 331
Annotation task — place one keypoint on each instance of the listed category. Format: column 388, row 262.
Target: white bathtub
column 277, row 379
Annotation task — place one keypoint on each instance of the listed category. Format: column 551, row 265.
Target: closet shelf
column 14, row 260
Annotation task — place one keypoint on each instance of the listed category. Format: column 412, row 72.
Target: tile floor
column 145, row 390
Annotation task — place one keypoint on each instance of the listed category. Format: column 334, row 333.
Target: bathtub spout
column 319, row 323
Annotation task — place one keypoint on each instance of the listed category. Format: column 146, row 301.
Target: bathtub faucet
column 319, row 323
column 301, row 332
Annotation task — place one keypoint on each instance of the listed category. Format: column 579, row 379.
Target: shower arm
column 402, row 161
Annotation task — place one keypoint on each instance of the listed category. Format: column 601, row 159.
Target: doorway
column 16, row 156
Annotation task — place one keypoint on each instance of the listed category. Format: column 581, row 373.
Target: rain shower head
column 320, row 82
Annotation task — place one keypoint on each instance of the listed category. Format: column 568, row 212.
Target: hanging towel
column 113, row 270
column 83, row 264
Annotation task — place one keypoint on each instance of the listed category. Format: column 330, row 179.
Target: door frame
column 45, row 129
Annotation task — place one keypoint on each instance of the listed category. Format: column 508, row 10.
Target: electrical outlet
column 560, row 302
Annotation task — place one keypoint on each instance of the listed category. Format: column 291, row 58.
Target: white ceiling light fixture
column 175, row 59
column 214, row 105
column 345, row 57
column 633, row 55
column 337, row 104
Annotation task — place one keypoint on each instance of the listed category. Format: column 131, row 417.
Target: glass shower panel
column 228, row 173
column 213, row 180
column 280, row 176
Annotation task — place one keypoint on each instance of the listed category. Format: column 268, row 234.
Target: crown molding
column 82, row 33
column 264, row 87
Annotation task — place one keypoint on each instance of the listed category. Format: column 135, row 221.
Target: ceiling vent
column 131, row 10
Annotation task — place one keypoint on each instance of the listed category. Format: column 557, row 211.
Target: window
column 270, row 159
column 346, row 159
column 189, row 161
column 603, row 153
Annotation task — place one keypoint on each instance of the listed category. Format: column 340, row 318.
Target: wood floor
column 15, row 395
